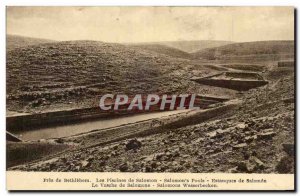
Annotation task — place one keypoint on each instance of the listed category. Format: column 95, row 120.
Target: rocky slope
column 258, row 137
column 76, row 72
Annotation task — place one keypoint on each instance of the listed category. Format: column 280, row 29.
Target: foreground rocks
column 133, row 145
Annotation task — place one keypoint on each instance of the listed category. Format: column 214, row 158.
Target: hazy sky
column 146, row 24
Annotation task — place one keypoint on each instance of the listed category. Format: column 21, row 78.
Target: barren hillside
column 193, row 46
column 256, row 137
column 162, row 49
column 16, row 41
column 269, row 49
column 76, row 71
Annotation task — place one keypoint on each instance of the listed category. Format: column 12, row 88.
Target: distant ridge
column 247, row 48
column 17, row 41
column 191, row 46
column 162, row 49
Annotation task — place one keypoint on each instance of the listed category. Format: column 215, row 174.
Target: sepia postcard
column 150, row 98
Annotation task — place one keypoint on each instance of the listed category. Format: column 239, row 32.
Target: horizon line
column 145, row 42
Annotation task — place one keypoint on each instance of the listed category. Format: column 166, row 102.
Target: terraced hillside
column 261, row 49
column 16, row 41
column 73, row 73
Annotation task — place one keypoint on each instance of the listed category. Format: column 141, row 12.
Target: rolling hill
column 247, row 49
column 162, row 49
column 186, row 46
column 72, row 72
column 193, row 46
column 16, row 41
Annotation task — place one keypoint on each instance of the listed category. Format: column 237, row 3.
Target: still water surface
column 86, row 126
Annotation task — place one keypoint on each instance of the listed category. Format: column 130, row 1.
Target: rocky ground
column 258, row 137
column 44, row 75
column 72, row 74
